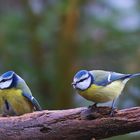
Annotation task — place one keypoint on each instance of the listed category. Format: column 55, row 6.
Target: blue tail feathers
column 134, row 75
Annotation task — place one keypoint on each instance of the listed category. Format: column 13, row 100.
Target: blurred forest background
column 47, row 41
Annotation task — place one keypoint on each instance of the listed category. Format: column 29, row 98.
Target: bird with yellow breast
column 100, row 86
column 15, row 96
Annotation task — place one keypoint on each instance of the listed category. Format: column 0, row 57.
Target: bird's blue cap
column 7, row 75
column 80, row 73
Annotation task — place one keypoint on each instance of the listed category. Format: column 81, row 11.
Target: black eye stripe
column 82, row 79
column 4, row 80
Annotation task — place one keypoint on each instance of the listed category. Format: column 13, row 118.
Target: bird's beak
column 73, row 84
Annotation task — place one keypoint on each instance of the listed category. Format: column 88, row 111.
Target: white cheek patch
column 5, row 84
column 84, row 84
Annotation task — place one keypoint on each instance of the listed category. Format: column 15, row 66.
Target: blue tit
column 15, row 96
column 100, row 86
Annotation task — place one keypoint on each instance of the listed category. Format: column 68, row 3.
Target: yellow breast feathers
column 103, row 93
column 12, row 101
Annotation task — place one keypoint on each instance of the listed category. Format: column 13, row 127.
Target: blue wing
column 103, row 78
column 33, row 101
column 118, row 76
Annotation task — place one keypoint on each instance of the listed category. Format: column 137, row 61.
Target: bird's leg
column 112, row 108
column 93, row 106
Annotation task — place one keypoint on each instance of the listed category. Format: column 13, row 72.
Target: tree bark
column 71, row 124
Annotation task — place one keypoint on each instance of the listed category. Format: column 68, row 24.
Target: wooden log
column 71, row 124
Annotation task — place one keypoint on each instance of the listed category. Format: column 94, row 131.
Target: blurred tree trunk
column 65, row 55
column 36, row 50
